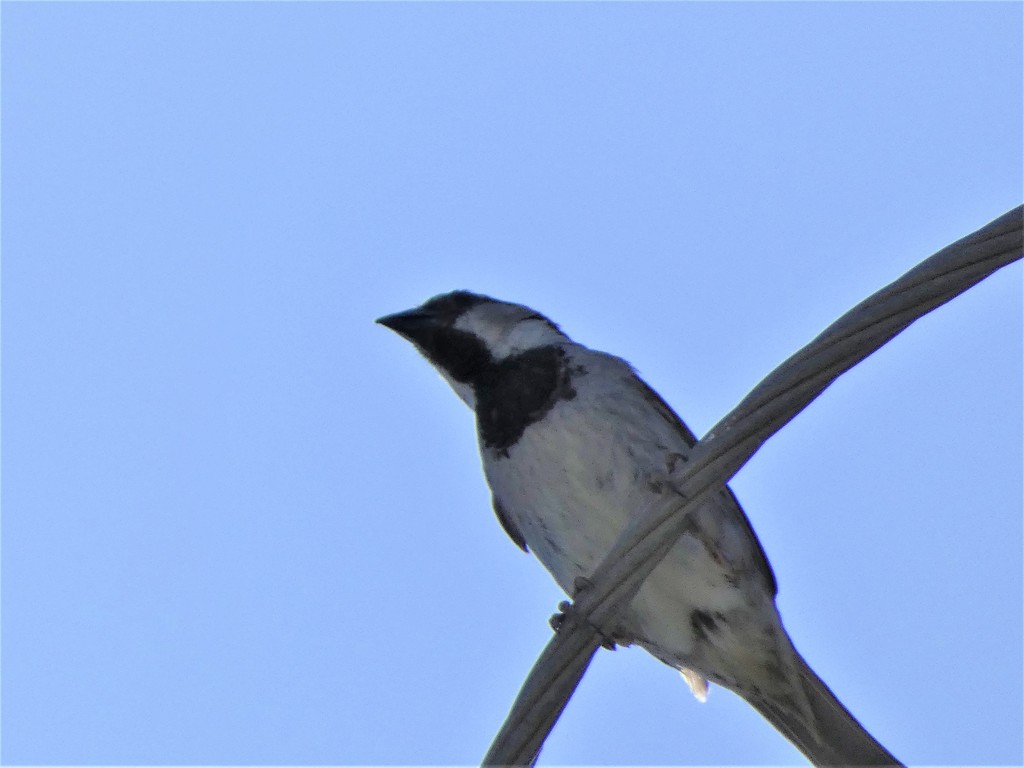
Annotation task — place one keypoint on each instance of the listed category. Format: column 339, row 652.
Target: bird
column 575, row 445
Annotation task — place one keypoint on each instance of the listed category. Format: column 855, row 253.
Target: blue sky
column 242, row 524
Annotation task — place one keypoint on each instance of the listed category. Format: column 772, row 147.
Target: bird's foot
column 558, row 619
column 581, row 584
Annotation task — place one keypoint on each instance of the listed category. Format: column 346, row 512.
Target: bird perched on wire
column 574, row 444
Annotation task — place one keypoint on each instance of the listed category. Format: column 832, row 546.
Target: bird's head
column 464, row 335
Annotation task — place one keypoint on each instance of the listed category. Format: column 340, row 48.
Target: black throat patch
column 519, row 391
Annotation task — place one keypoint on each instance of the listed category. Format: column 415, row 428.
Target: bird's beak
column 413, row 324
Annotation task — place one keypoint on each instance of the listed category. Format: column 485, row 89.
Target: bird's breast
column 571, row 483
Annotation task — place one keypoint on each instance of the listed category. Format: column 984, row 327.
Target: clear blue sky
column 242, row 524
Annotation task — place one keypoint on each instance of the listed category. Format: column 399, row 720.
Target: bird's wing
column 727, row 500
column 508, row 524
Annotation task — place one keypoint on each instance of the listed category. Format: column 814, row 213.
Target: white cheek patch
column 491, row 324
column 531, row 334
column 507, row 329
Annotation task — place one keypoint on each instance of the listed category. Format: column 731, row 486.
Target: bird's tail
column 826, row 732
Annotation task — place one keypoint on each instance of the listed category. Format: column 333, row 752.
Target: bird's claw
column 558, row 619
column 579, row 584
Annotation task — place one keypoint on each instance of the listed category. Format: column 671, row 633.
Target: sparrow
column 574, row 444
